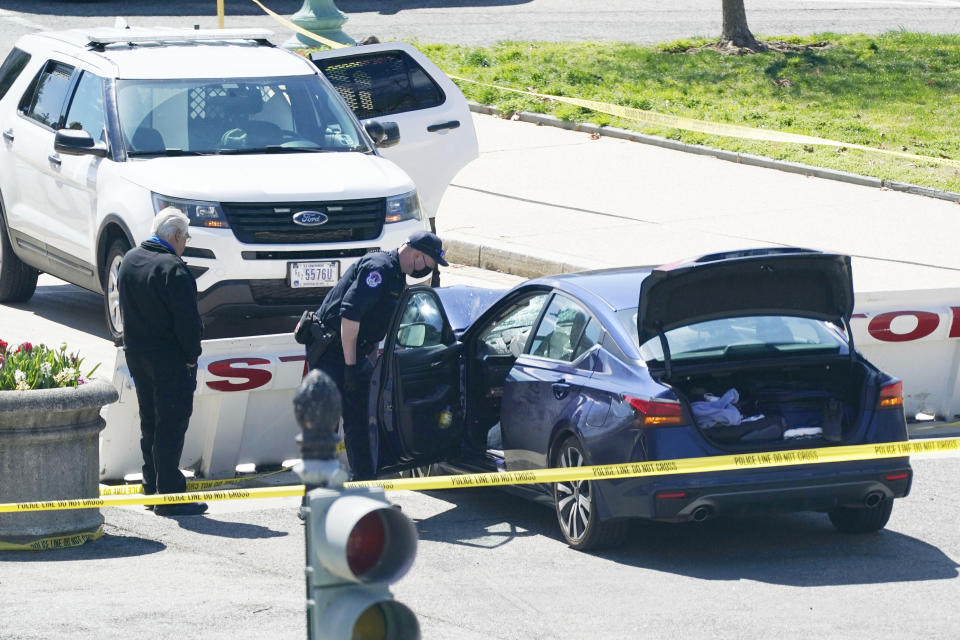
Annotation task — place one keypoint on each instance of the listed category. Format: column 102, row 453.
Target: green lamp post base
column 322, row 18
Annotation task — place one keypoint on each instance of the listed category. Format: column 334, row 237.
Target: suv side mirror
column 384, row 134
column 76, row 142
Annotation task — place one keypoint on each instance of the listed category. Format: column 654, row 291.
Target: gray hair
column 168, row 221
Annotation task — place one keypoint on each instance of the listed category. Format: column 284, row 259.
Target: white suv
column 261, row 148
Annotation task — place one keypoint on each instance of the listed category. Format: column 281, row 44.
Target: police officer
column 354, row 317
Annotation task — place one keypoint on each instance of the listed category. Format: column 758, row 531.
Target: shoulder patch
column 374, row 279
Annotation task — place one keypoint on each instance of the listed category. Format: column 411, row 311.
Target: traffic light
column 357, row 545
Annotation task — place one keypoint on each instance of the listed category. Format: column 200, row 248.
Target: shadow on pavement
column 68, row 305
column 211, row 527
column 485, row 518
column 107, row 547
column 82, row 310
column 794, row 550
column 181, row 8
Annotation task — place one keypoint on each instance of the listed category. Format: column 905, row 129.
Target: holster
column 316, row 337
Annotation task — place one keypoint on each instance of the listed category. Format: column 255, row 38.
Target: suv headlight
column 406, row 206
column 201, row 214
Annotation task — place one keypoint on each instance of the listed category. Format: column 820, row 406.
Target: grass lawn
column 898, row 91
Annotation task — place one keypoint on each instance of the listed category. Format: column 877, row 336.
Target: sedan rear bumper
column 696, row 497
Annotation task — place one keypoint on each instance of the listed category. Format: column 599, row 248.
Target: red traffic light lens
column 366, row 543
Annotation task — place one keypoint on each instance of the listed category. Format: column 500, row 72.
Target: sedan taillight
column 656, row 413
column 891, row 396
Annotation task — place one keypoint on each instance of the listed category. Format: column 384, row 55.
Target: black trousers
column 165, row 388
column 356, row 427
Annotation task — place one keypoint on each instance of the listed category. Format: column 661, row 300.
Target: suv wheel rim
column 113, row 295
column 573, row 498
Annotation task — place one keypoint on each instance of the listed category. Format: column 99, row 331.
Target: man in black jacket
column 161, row 334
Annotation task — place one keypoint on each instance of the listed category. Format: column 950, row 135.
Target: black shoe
column 185, row 509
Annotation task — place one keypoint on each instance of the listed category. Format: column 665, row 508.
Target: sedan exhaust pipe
column 701, row 514
column 873, row 498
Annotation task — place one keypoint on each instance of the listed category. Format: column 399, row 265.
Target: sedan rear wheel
column 576, row 506
column 862, row 519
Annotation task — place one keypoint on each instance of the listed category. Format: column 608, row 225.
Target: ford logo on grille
column 310, row 218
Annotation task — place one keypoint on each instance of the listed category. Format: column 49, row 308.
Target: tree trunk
column 736, row 33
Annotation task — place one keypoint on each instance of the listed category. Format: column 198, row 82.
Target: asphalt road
column 488, row 21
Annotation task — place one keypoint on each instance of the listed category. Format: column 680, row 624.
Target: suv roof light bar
column 115, row 36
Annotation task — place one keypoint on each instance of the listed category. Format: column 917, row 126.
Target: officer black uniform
column 368, row 293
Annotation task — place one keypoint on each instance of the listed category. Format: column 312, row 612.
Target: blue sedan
column 738, row 352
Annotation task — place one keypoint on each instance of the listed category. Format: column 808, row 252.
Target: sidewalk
column 542, row 200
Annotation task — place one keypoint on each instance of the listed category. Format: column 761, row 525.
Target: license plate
column 313, row 274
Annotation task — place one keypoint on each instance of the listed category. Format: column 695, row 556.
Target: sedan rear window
column 739, row 337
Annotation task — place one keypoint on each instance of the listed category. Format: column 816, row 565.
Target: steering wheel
column 234, row 139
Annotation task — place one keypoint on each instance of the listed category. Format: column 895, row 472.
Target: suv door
column 395, row 82
column 419, row 409
column 37, row 164
column 75, row 198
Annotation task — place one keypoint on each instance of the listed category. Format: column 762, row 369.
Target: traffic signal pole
column 357, row 544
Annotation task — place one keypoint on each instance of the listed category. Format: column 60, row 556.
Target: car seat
column 147, row 139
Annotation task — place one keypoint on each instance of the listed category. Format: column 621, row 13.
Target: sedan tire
column 862, row 519
column 576, row 505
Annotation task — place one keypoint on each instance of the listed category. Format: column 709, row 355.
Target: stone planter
column 49, row 450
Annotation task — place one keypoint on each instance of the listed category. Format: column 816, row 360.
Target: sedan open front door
column 419, row 412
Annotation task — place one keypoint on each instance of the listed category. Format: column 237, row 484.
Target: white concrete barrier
column 914, row 335
column 243, row 410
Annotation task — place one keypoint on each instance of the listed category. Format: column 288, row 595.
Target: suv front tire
column 18, row 280
column 111, row 293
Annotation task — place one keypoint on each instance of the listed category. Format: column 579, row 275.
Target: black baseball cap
column 430, row 244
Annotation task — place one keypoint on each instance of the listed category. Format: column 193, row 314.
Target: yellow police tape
column 55, row 542
column 163, row 498
column 333, row 44
column 192, row 485
column 848, row 453
column 656, row 119
column 653, row 118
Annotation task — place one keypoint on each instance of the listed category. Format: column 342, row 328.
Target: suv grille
column 278, row 292
column 272, row 222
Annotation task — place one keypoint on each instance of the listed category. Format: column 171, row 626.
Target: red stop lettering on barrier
column 225, row 369
column 880, row 329
column 955, row 327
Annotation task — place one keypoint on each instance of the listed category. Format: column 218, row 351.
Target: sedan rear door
column 395, row 82
column 543, row 387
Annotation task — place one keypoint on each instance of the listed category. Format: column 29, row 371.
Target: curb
column 506, row 257
column 722, row 154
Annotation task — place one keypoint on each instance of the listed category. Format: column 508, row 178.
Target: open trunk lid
column 777, row 281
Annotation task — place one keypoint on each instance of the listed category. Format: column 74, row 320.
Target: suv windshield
column 294, row 114
column 739, row 337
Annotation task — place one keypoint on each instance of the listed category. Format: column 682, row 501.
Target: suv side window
column 44, row 101
column 378, row 84
column 86, row 107
column 11, row 69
